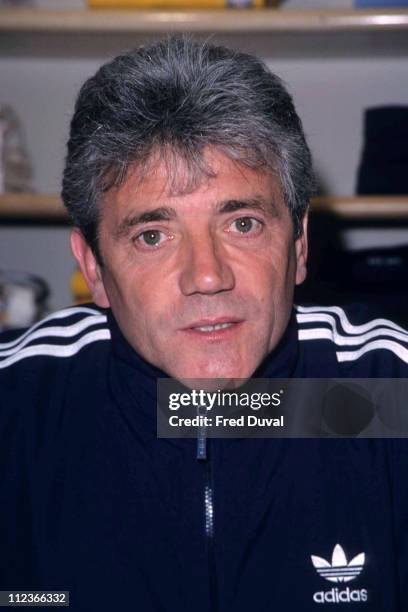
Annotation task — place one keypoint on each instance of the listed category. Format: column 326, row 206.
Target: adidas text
column 345, row 596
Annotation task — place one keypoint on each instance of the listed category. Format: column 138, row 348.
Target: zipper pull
column 201, row 436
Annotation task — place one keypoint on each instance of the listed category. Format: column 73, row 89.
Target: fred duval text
column 220, row 421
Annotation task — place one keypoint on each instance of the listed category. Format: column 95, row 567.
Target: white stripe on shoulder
column 310, row 314
column 58, row 332
column 389, row 345
column 49, row 350
column 59, row 314
column 318, row 333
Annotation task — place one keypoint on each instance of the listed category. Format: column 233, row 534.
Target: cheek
column 271, row 272
column 142, row 303
column 274, row 281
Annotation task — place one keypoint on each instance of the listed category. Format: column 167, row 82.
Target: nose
column 205, row 268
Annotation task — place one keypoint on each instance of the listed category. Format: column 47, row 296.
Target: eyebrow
column 163, row 213
column 166, row 213
column 256, row 203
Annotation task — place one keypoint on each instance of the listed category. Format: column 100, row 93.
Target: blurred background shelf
column 48, row 207
column 31, row 206
column 363, row 207
column 252, row 20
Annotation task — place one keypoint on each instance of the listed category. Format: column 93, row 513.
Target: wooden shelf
column 31, row 206
column 251, row 20
column 49, row 207
column 363, row 207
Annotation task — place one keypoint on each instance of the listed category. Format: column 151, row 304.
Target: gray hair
column 173, row 99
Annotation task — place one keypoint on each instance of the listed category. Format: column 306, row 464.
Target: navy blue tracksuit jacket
column 93, row 503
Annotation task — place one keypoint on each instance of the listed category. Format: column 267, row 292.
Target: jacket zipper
column 203, row 455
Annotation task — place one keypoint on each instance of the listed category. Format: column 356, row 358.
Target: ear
column 301, row 253
column 89, row 268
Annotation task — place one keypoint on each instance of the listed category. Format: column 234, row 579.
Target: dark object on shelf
column 376, row 277
column 23, row 299
column 384, row 163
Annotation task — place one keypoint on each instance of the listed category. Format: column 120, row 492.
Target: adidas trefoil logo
column 339, row 570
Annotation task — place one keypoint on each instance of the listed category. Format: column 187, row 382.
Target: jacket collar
column 133, row 381
column 142, row 377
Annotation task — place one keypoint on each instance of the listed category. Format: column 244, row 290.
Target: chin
column 219, row 373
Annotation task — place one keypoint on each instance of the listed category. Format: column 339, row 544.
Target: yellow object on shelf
column 79, row 288
column 176, row 4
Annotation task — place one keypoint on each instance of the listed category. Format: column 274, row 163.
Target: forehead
column 164, row 185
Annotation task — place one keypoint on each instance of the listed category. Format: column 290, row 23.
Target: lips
column 213, row 328
column 210, row 328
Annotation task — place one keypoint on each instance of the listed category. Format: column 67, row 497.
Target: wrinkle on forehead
column 180, row 174
column 184, row 171
column 171, row 176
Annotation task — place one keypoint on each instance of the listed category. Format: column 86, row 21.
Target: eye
column 245, row 225
column 150, row 238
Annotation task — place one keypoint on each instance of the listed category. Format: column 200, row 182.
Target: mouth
column 213, row 328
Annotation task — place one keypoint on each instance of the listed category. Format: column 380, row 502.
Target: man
column 188, row 179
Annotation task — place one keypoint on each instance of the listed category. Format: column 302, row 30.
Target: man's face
column 201, row 283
